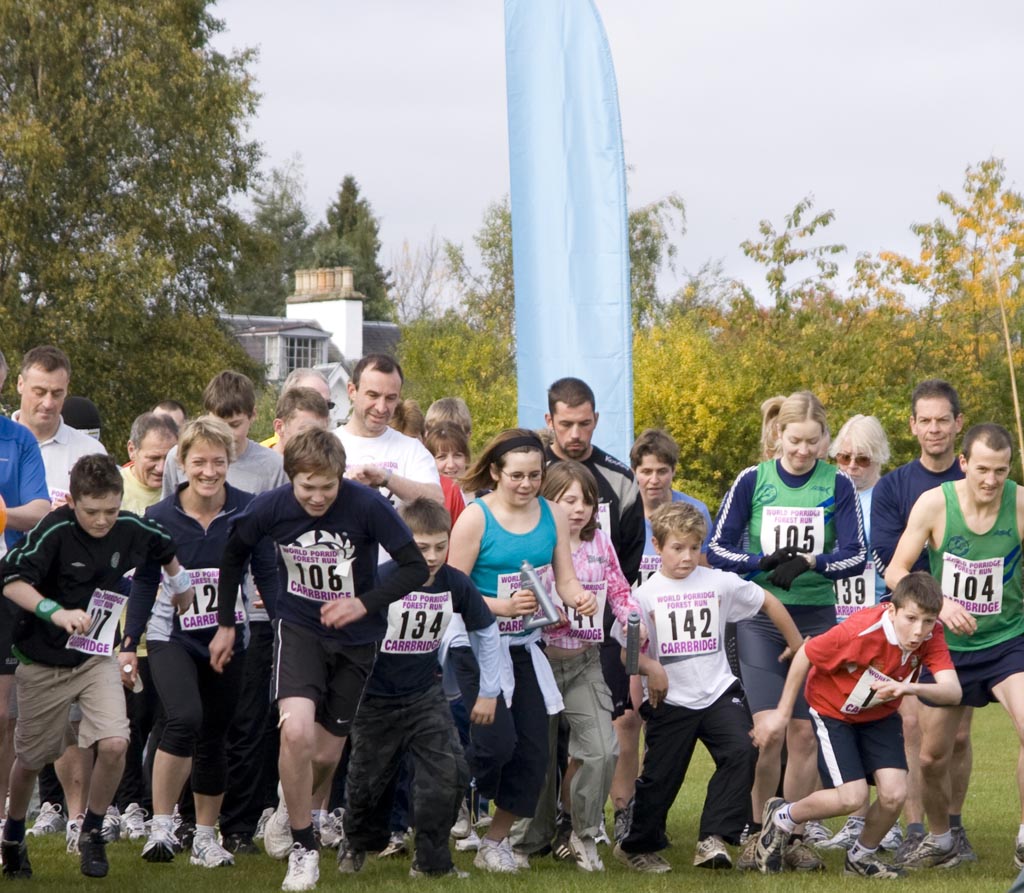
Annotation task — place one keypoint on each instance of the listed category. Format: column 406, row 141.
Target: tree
column 277, row 240
column 120, row 151
column 651, row 249
column 351, row 238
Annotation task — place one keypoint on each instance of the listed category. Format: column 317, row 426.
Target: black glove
column 770, row 562
column 784, row 575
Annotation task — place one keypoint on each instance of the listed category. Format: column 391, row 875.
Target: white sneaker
column 585, row 851
column 111, row 829
column 161, row 844
column 207, row 853
column 133, row 822
column 462, row 826
column 71, row 833
column 261, row 823
column 521, row 859
column 332, row 829
column 469, row 844
column 49, row 821
column 816, row 832
column 495, row 857
column 397, row 846
column 846, row 837
column 277, row 836
column 893, row 838
column 303, row 869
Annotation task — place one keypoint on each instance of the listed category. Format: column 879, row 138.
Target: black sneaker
column 92, row 852
column 772, row 840
column 560, row 846
column 242, row 844
column 869, row 865
column 15, row 858
column 185, row 833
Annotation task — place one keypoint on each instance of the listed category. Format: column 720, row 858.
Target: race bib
column 511, row 582
column 800, row 529
column 203, row 613
column 976, row 586
column 586, row 629
column 105, row 609
column 417, row 622
column 854, row 593
column 649, row 564
column 317, row 575
column 58, row 497
column 604, row 517
column 863, row 695
column 686, row 624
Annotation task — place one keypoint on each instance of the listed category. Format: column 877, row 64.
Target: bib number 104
column 968, row 587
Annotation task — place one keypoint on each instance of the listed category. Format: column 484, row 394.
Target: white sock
column 161, row 821
column 784, row 820
column 1020, row 834
column 204, row 831
column 858, row 851
column 944, row 841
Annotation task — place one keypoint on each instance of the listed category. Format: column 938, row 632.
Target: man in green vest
column 972, row 530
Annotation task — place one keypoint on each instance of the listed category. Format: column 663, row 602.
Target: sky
column 742, row 107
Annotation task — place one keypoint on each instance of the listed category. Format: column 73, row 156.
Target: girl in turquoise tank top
column 491, row 539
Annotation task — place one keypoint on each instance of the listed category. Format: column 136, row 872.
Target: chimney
column 328, row 295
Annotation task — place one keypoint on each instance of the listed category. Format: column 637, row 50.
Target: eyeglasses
column 850, row 459
column 517, row 477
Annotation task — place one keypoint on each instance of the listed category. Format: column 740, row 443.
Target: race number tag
column 58, row 497
column 604, row 517
column 686, row 624
column 417, row 622
column 863, row 696
column 854, row 593
column 317, row 575
column 800, row 529
column 511, row 582
column 586, row 629
column 649, row 564
column 976, row 586
column 105, row 610
column 203, row 613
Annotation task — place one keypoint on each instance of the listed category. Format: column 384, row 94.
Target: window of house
column 302, row 352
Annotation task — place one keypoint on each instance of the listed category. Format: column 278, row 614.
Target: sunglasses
column 850, row 459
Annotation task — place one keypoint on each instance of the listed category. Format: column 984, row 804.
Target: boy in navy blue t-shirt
column 404, row 709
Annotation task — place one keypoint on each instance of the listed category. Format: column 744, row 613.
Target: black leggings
column 198, row 705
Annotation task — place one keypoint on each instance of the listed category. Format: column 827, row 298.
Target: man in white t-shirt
column 43, row 386
column 375, row 454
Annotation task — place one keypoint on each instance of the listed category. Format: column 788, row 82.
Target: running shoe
column 350, row 860
column 240, row 844
column 869, row 865
column 14, row 854
column 911, row 841
column 49, row 821
column 747, row 859
column 772, row 840
column 397, row 846
column 560, row 849
column 846, row 836
column 92, row 854
column 798, row 856
column 468, row 844
column 929, row 854
column 463, row 825
column 261, row 823
column 453, row 872
column 111, row 825
column 71, row 834
column 623, row 819
column 332, row 829
column 892, row 840
column 160, row 846
column 711, row 853
column 495, row 857
column 815, row 833
column 1018, row 855
column 207, row 853
column 963, row 845
column 584, row 849
column 303, row 869
column 648, row 863
column 133, row 822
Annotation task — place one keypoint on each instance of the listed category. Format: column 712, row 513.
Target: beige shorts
column 45, row 695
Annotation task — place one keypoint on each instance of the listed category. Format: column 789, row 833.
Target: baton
column 528, row 579
column 633, row 644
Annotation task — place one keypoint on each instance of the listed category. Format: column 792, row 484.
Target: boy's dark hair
column 932, row 389
column 572, row 392
column 922, row 589
column 171, row 406
column 229, row 394
column 314, row 451
column 994, row 436
column 46, row 357
column 679, row 518
column 95, row 475
column 379, row 361
column 295, row 400
column 426, row 517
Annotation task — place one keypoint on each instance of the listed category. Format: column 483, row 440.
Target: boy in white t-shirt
column 691, row 694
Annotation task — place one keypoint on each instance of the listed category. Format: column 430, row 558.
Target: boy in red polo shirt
column 857, row 673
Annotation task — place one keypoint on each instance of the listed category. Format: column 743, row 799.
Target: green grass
column 991, row 816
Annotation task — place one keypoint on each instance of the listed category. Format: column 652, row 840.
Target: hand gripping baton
column 528, row 579
column 633, row 644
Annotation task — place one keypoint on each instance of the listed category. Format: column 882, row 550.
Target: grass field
column 991, row 816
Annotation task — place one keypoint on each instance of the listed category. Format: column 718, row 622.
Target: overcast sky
column 740, row 107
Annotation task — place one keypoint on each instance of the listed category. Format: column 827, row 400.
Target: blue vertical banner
column 570, row 228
